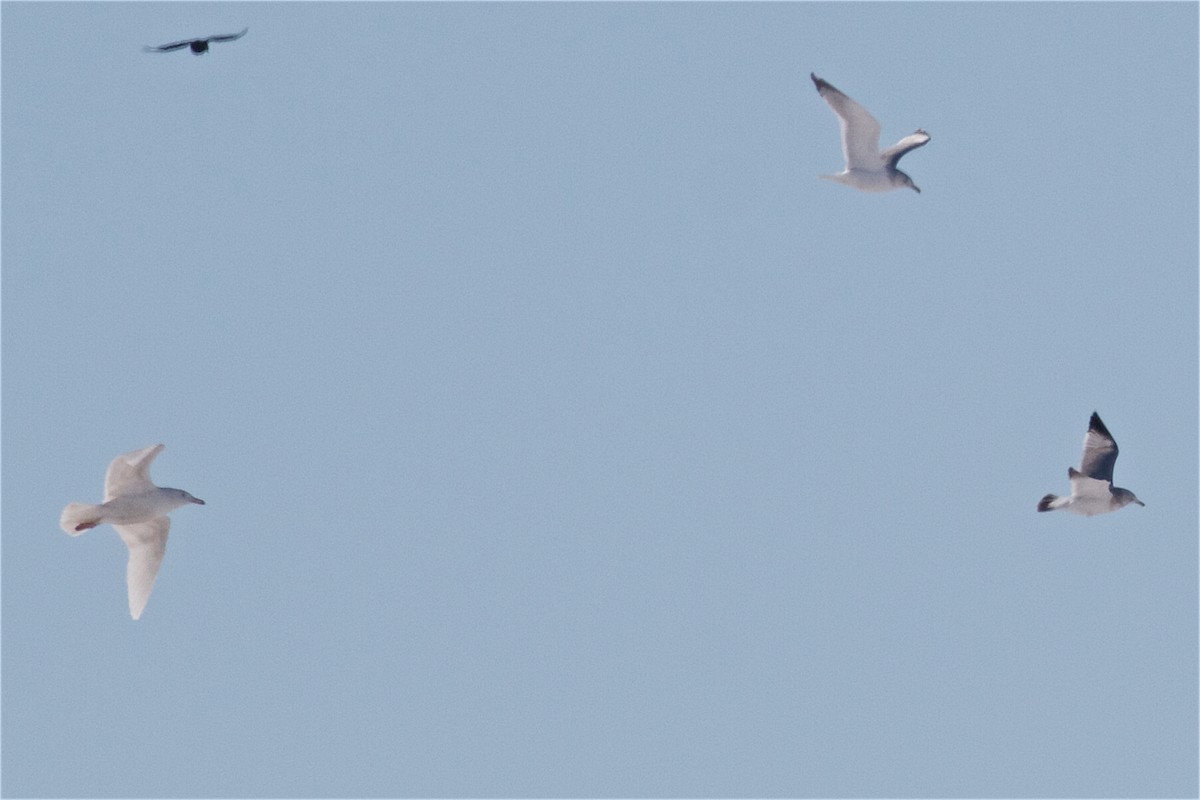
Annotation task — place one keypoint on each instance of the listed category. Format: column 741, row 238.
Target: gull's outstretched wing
column 228, row 37
column 860, row 131
column 147, row 542
column 166, row 48
column 129, row 473
column 1099, row 451
column 910, row 142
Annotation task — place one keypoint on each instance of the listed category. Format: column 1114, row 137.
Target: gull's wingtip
column 150, row 451
column 1096, row 424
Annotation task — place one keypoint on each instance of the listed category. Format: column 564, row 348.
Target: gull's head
column 1124, row 497
column 184, row 497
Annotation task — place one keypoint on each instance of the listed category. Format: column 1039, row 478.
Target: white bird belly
column 865, row 180
column 130, row 508
column 1089, row 505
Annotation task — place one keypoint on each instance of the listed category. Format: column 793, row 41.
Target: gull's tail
column 1051, row 502
column 78, row 517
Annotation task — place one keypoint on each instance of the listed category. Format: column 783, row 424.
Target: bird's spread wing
column 860, row 131
column 147, row 542
column 1099, row 451
column 228, row 37
column 129, row 473
column 166, row 48
column 910, row 142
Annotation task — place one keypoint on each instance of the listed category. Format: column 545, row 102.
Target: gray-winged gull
column 867, row 168
column 138, row 510
column 1092, row 491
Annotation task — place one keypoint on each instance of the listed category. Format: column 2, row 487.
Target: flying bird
column 199, row 46
column 138, row 510
column 1092, row 491
column 867, row 169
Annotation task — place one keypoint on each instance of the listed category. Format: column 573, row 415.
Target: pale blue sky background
column 563, row 434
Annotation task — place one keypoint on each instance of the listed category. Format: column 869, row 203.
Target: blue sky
column 562, row 434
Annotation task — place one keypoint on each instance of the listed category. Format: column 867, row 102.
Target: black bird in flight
column 199, row 46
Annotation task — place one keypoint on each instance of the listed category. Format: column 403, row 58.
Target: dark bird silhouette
column 199, row 46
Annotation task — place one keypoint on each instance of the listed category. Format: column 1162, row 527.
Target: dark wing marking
column 1099, row 451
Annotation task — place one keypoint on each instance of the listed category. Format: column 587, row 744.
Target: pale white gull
column 138, row 510
column 867, row 169
column 1092, row 491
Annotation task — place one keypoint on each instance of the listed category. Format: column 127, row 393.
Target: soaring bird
column 199, row 46
column 138, row 510
column 1092, row 490
column 867, row 168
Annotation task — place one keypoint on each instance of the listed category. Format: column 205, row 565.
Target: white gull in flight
column 138, row 510
column 867, row 169
column 1092, row 491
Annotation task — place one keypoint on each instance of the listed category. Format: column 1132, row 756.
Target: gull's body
column 138, row 510
column 1092, row 490
column 198, row 46
column 867, row 169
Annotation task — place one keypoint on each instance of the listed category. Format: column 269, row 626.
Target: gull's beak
column 197, row 501
column 1139, row 502
column 916, row 188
